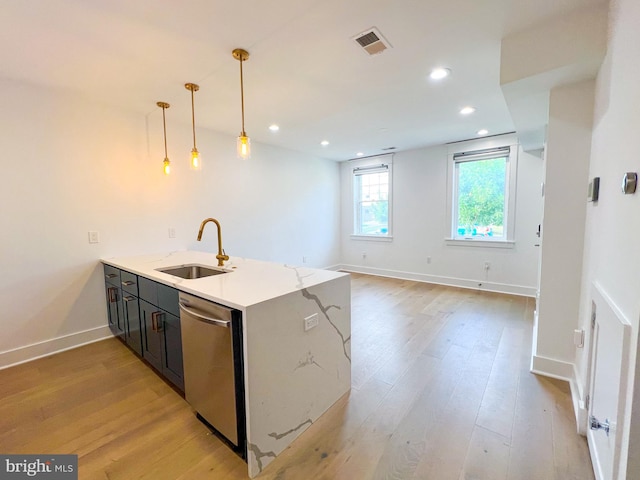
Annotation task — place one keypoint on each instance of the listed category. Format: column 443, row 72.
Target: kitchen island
column 294, row 370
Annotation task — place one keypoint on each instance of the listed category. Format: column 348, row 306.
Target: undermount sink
column 190, row 272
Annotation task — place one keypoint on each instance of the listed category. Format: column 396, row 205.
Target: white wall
column 613, row 225
column 420, row 227
column 71, row 166
column 565, row 203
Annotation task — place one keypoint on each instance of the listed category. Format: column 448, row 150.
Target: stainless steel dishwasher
column 213, row 367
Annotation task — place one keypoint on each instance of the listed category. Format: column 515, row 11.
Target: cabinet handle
column 128, row 283
column 156, row 322
column 111, row 275
column 129, row 298
column 113, row 294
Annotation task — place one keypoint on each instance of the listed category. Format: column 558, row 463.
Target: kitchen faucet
column 220, row 256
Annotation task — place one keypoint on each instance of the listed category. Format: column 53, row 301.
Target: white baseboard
column 440, row 280
column 549, row 367
column 45, row 348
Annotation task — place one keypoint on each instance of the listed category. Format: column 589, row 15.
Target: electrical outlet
column 487, row 265
column 428, row 259
column 304, row 259
column 94, row 237
column 310, row 322
column 364, row 254
column 172, row 232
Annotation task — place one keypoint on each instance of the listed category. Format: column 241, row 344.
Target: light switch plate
column 94, row 237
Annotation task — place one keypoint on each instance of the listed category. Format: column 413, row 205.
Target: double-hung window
column 372, row 200
column 483, row 195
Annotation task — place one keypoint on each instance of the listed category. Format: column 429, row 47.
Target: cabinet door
column 115, row 313
column 132, row 335
column 152, row 338
column 172, row 350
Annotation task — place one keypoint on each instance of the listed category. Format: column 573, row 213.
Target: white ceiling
column 305, row 72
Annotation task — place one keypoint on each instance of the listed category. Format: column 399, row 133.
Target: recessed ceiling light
column 484, row 131
column 274, row 127
column 439, row 73
column 467, row 110
column 324, row 143
column 359, row 154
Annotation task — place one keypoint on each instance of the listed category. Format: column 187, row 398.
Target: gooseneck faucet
column 220, row 256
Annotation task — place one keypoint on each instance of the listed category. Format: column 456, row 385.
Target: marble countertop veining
column 248, row 282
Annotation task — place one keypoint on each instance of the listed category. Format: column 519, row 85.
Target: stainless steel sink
column 190, row 272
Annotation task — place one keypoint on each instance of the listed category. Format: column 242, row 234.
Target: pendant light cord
column 242, row 97
column 164, row 125
column 193, row 119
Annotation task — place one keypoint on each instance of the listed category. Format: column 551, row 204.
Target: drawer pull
column 128, row 283
column 111, row 275
column 129, row 298
column 156, row 321
column 113, row 294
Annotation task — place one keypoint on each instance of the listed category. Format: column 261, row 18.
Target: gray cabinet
column 161, row 336
column 145, row 315
column 130, row 304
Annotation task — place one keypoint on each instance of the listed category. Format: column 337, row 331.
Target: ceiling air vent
column 372, row 41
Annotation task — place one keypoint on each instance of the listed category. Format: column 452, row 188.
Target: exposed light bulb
column 244, row 146
column 196, row 164
column 166, row 165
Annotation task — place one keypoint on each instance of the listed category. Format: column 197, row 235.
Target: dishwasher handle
column 204, row 318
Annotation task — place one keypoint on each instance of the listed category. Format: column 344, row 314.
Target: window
column 372, row 200
column 482, row 199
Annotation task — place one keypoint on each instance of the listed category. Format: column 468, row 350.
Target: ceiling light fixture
column 482, row 132
column 244, row 143
column 467, row 110
column 274, row 127
column 166, row 164
column 196, row 161
column 324, row 143
column 359, row 154
column 439, row 73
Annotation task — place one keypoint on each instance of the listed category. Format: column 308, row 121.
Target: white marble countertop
column 248, row 282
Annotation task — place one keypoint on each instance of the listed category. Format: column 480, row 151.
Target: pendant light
column 166, row 164
column 196, row 162
column 244, row 143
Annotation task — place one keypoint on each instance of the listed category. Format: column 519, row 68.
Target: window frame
column 372, row 165
column 483, row 150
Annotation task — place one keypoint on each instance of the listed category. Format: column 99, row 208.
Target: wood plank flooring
column 440, row 390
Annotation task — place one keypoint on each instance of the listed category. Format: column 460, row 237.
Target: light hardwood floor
column 440, row 390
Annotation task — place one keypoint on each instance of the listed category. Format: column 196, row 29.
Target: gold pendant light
column 166, row 163
column 244, row 143
column 196, row 161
